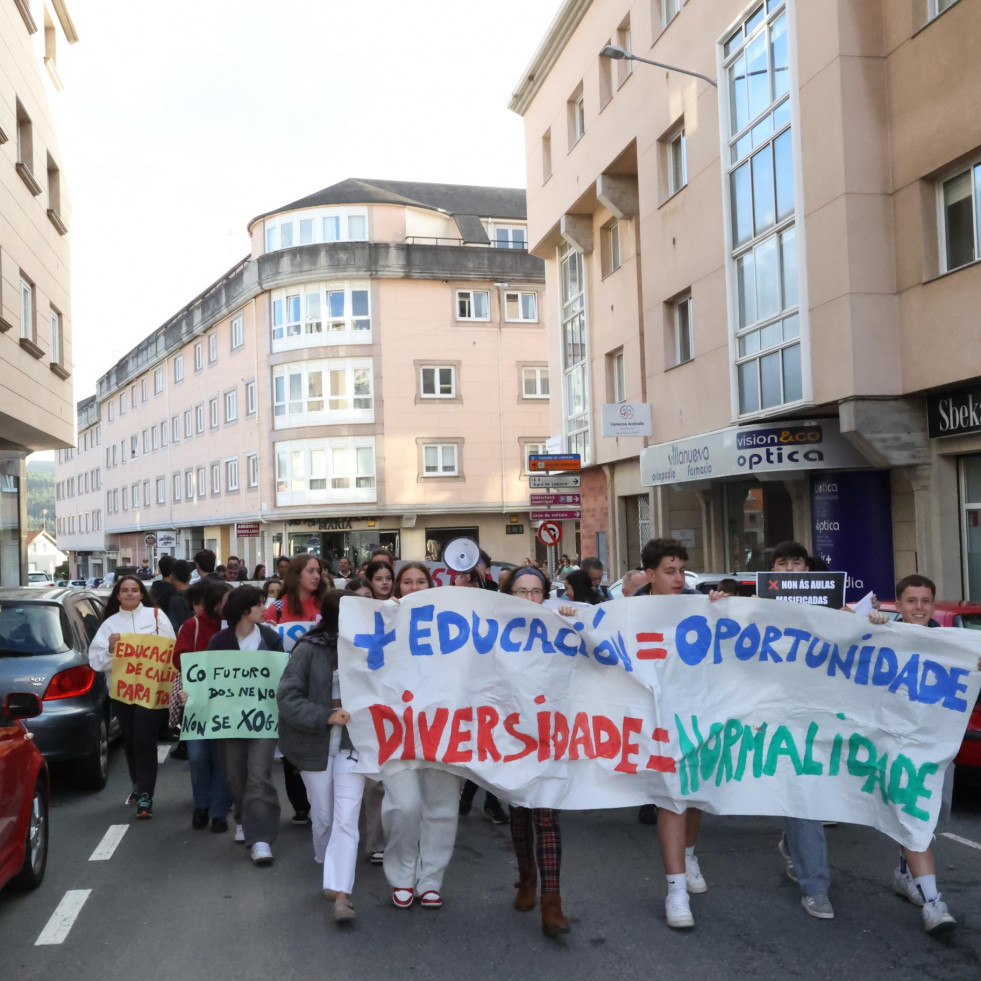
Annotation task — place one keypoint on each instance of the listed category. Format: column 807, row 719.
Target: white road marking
column 962, row 841
column 110, row 840
column 63, row 918
column 163, row 751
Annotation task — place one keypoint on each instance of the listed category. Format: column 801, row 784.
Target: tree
column 41, row 495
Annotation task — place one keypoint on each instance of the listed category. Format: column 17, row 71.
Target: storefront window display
column 331, row 546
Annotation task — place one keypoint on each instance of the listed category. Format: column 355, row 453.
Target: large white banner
column 744, row 706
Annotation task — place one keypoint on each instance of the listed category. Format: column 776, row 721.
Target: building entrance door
column 758, row 516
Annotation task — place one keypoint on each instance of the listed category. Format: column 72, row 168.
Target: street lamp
column 618, row 54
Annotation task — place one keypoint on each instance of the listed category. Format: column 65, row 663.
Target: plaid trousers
column 536, row 836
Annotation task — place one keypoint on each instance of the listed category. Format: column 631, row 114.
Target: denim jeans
column 208, row 777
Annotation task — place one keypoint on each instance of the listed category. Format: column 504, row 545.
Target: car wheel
column 92, row 772
column 36, row 842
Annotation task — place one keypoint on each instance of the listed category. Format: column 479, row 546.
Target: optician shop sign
column 954, row 413
column 741, row 451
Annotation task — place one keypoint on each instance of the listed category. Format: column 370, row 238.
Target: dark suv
column 44, row 642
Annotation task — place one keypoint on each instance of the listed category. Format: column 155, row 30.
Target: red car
column 957, row 613
column 24, row 796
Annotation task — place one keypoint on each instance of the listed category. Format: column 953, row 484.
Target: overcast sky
column 183, row 120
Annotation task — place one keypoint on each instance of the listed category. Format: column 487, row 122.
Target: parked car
column 26, row 796
column 93, row 583
column 44, row 641
column 39, row 579
column 78, row 583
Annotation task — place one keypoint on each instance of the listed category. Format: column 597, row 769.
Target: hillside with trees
column 41, row 495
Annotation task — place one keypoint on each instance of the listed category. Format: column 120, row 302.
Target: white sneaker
column 262, row 853
column 239, row 835
column 677, row 909
column 788, row 863
column 937, row 918
column 693, row 875
column 903, row 885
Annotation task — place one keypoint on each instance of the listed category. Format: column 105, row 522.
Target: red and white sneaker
column 431, row 900
column 402, row 898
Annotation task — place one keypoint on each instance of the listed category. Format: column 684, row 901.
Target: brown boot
column 554, row 923
column 527, row 886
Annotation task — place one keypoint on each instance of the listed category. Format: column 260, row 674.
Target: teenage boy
column 663, row 561
column 803, row 845
column 916, row 877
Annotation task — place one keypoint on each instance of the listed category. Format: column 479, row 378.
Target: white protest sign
column 744, row 706
column 291, row 631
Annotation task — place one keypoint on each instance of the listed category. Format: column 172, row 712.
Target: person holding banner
column 208, row 788
column 535, row 832
column 312, row 732
column 303, row 592
column 248, row 762
column 419, row 810
column 915, row 878
column 129, row 610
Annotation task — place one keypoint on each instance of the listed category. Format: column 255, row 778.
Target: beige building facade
column 36, row 404
column 373, row 373
column 782, row 266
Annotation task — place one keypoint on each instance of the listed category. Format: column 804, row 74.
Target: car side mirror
column 22, row 705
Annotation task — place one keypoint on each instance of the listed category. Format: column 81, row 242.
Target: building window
column 250, row 398
column 213, row 347
column 761, row 213
column 188, row 485
column 57, row 338
column 440, row 460
column 202, row 485
column 158, row 381
column 122, row 451
column 135, row 494
column 146, row 440
column 437, row 381
column 605, row 66
column 576, row 114
column 177, row 485
column 199, row 417
column 163, row 433
column 680, row 331
column 510, row 237
column 179, row 368
column 312, row 227
column 146, row 493
column 575, row 366
column 111, row 414
column 133, row 401
column 336, row 470
column 937, row 7
column 213, row 412
column 144, row 389
column 534, row 382
column 669, row 10
column 338, row 313
column 122, row 403
column 677, row 162
column 198, row 356
column 472, row 305
column 616, row 376
column 231, row 406
column 530, row 449
column 134, row 447
column 188, row 423
column 215, row 478
column 155, row 438
column 175, row 429
column 125, row 498
column 252, row 461
column 961, row 211
column 237, row 332
column 25, row 148
column 27, row 327
column 546, row 155
column 625, row 66
column 521, row 307
column 610, row 247
column 312, row 393
column 231, row 474
column 161, row 490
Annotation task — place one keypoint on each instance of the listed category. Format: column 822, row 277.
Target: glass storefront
column 970, row 467
column 13, row 486
column 331, row 546
column 758, row 516
column 437, row 539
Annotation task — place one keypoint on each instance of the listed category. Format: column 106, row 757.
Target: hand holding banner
column 142, row 670
column 743, row 706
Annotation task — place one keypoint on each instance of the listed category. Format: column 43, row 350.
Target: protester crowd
column 408, row 821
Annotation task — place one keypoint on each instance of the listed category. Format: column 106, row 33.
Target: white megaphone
column 461, row 554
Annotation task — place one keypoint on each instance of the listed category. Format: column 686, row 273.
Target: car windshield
column 972, row 621
column 27, row 629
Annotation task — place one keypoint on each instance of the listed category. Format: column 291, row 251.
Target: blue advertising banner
column 851, row 512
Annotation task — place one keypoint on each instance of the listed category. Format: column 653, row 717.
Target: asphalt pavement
column 167, row 902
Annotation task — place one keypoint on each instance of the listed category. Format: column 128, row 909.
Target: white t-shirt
column 250, row 643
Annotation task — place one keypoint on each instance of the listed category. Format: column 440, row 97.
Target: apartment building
column 79, row 500
column 374, row 372
column 36, row 404
column 775, row 249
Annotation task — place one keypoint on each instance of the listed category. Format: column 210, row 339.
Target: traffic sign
column 543, row 480
column 150, row 539
column 538, row 462
column 556, row 515
column 549, row 533
column 551, row 500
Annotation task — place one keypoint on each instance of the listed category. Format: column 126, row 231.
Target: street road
column 173, row 903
